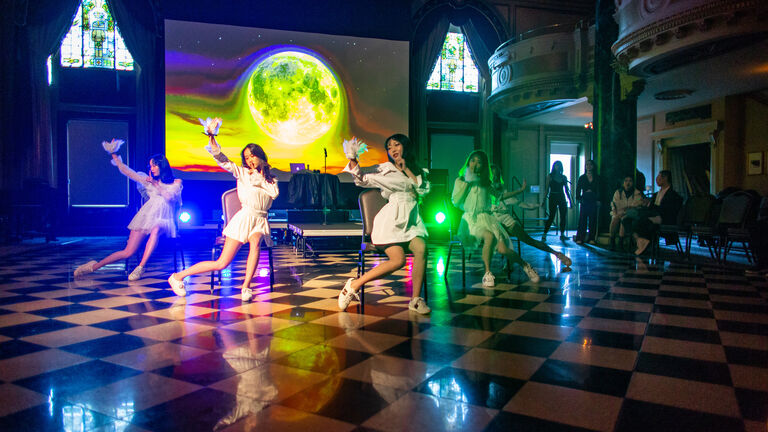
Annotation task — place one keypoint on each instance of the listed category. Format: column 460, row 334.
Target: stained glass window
column 454, row 70
column 94, row 40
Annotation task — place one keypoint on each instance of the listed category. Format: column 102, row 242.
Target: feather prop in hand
column 211, row 126
column 112, row 146
column 354, row 148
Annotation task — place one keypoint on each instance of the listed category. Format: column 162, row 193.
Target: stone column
column 614, row 112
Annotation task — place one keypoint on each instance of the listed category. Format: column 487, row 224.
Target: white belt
column 255, row 212
column 402, row 196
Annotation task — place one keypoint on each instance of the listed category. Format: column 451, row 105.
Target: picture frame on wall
column 755, row 163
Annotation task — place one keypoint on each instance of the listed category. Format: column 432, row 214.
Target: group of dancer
column 397, row 229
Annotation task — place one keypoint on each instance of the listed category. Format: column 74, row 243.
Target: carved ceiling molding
column 699, row 19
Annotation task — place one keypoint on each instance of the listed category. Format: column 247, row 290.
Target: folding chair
column 230, row 204
column 371, row 202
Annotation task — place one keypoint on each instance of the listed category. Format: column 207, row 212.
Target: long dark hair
column 409, row 155
column 554, row 165
column 166, row 173
column 485, row 168
column 257, row 151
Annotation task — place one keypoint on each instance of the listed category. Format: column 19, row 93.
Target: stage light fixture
column 440, row 217
column 263, row 272
column 185, row 216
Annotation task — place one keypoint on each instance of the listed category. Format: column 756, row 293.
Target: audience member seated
column 662, row 208
column 625, row 198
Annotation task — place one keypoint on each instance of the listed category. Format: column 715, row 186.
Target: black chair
column 732, row 214
column 371, row 202
column 695, row 212
column 744, row 231
column 230, row 204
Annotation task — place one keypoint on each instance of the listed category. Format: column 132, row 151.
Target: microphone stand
column 325, row 163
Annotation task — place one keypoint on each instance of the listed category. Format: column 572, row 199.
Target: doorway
column 690, row 169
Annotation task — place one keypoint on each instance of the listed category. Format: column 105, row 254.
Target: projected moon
column 293, row 97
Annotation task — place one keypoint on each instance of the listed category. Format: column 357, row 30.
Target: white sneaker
column 418, row 305
column 136, row 273
column 247, row 294
column 177, row 286
column 563, row 259
column 642, row 245
column 346, row 295
column 489, row 280
column 532, row 275
column 85, row 268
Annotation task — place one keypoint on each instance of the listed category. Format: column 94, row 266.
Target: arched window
column 454, row 70
column 94, row 40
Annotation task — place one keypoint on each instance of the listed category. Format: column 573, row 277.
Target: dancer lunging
column 473, row 193
column 155, row 217
column 503, row 212
column 256, row 189
column 397, row 227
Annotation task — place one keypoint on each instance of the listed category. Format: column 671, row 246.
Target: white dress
column 255, row 194
column 399, row 220
column 477, row 203
column 159, row 210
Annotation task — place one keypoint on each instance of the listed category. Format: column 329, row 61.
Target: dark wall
column 388, row 19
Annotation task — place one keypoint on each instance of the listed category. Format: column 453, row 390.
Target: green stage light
column 440, row 217
column 440, row 266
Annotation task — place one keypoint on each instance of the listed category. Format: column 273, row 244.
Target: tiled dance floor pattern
column 615, row 344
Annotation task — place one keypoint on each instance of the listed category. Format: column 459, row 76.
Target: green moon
column 294, row 97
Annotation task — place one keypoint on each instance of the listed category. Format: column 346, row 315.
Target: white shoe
column 85, row 268
column 532, row 275
column 642, row 245
column 177, row 286
column 563, row 259
column 346, row 295
column 247, row 294
column 418, row 305
column 489, row 280
column 136, row 273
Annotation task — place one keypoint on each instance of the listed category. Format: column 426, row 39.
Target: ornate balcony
column 541, row 70
column 656, row 36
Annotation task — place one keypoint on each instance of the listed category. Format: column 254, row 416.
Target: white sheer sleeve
column 128, row 172
column 364, row 176
column 422, row 185
column 460, row 190
column 223, row 161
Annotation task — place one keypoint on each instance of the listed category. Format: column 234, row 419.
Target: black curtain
column 424, row 52
column 41, row 26
column 141, row 29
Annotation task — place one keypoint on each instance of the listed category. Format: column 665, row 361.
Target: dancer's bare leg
column 134, row 240
column 396, row 260
column 254, row 249
column 510, row 254
column 489, row 244
column 150, row 246
column 418, row 248
column 231, row 246
column 519, row 232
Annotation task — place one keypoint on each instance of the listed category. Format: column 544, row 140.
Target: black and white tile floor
column 615, row 344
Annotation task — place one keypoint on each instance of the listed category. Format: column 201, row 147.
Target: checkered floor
column 614, row 344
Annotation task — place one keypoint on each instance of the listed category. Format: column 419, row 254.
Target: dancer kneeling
column 473, row 193
column 256, row 189
column 397, row 227
column 155, row 217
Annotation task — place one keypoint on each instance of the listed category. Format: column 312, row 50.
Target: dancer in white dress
column 502, row 211
column 473, row 193
column 156, row 216
column 256, row 189
column 397, row 226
